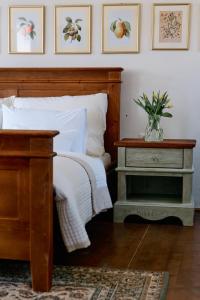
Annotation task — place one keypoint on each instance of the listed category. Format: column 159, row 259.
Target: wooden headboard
column 46, row 82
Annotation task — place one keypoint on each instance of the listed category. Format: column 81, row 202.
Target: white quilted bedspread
column 81, row 193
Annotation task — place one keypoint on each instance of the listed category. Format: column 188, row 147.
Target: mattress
column 106, row 160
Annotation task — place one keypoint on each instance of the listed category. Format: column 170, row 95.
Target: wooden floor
column 146, row 246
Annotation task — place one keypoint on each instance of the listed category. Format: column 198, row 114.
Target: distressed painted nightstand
column 155, row 179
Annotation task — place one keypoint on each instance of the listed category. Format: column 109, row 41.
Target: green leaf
column 113, row 26
column 127, row 34
column 68, row 19
column 140, row 103
column 22, row 24
column 78, row 20
column 32, row 35
column 78, row 26
column 127, row 25
column 67, row 27
column 78, row 38
column 167, row 115
column 66, row 36
column 33, row 26
column 22, row 18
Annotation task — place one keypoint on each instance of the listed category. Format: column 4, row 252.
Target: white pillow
column 71, row 125
column 6, row 101
column 95, row 104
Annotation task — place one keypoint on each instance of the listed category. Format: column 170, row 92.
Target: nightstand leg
column 119, row 213
column 188, row 220
column 121, row 195
column 187, row 188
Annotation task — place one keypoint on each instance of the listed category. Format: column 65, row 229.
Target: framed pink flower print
column 171, row 26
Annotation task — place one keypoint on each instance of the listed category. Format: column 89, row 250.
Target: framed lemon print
column 26, row 29
column 120, row 28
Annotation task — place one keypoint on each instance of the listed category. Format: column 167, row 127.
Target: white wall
column 178, row 72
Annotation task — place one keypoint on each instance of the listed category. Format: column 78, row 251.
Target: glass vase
column 153, row 132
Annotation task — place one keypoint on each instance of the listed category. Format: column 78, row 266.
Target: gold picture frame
column 26, row 29
column 121, row 28
column 73, row 29
column 171, row 26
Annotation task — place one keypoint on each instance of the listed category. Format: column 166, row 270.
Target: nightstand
column 155, row 179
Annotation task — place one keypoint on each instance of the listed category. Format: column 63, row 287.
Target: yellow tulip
column 169, row 105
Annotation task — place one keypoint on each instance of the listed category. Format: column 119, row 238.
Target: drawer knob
column 155, row 159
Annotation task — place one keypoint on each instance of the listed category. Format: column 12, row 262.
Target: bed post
column 41, row 223
column 26, row 201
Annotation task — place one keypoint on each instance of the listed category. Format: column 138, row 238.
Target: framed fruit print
column 26, row 29
column 171, row 26
column 120, row 28
column 73, row 29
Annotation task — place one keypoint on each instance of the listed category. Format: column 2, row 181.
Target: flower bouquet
column 155, row 110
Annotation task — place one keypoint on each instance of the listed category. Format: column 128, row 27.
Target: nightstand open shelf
column 155, row 179
column 163, row 189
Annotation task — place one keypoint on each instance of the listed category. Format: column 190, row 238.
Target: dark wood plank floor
column 146, row 246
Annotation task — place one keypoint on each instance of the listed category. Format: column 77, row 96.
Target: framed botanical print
column 73, row 29
column 171, row 26
column 26, row 29
column 120, row 28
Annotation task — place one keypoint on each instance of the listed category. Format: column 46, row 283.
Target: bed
column 26, row 162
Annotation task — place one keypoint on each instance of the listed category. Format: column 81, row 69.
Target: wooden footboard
column 26, row 201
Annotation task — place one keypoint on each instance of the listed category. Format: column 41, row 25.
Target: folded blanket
column 81, row 193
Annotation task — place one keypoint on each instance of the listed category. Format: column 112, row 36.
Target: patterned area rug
column 70, row 283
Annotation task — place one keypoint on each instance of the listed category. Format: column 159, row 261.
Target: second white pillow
column 71, row 125
column 8, row 102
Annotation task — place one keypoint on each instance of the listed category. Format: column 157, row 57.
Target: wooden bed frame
column 26, row 189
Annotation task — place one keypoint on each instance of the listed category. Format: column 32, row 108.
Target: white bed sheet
column 81, row 193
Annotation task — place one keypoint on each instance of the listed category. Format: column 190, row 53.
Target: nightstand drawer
column 154, row 158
